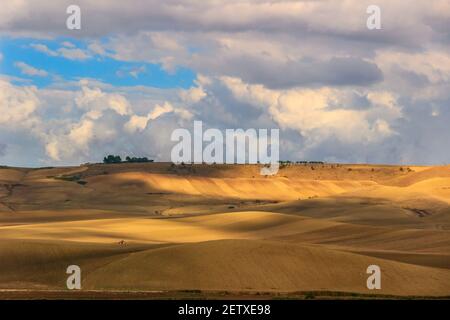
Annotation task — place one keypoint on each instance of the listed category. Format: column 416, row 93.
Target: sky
column 137, row 70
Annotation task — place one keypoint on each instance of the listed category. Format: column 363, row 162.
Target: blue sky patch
column 102, row 68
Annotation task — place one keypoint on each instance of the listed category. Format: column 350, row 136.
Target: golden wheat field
column 158, row 227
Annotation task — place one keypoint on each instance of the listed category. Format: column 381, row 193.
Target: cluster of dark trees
column 134, row 159
column 117, row 159
column 112, row 159
column 300, row 162
column 311, row 162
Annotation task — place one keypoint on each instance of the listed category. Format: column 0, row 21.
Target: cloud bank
column 337, row 91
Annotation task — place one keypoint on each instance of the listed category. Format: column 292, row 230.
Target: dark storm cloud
column 306, row 72
column 321, row 18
